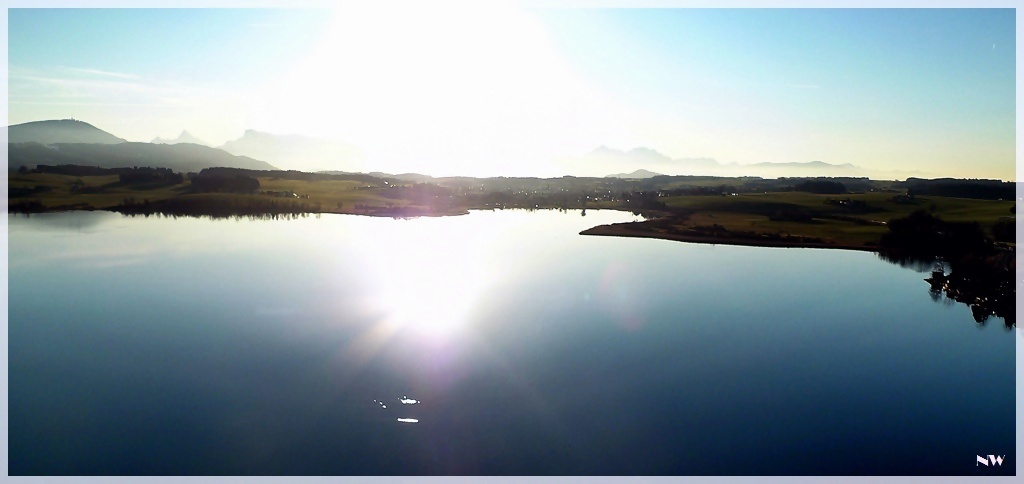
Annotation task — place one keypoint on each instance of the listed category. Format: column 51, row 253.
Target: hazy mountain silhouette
column 294, row 152
column 641, row 173
column 409, row 177
column 178, row 157
column 59, row 131
column 636, row 155
column 184, row 137
column 650, row 161
column 798, row 169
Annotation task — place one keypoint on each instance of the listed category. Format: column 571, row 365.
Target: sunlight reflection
column 430, row 281
column 425, row 287
column 618, row 286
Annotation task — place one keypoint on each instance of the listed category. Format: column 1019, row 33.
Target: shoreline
column 628, row 229
column 382, row 212
column 621, row 229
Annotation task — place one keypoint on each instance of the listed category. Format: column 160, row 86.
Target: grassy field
column 337, row 196
column 97, row 192
column 65, row 192
column 859, row 219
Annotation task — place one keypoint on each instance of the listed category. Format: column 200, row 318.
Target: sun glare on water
column 429, row 282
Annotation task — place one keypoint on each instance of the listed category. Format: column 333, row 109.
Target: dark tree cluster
column 985, row 283
column 151, row 175
column 293, row 175
column 951, row 187
column 128, row 174
column 924, row 234
column 825, row 187
column 77, row 170
column 981, row 273
column 22, row 192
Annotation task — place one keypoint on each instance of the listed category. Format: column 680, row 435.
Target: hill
column 178, row 157
column 59, row 131
column 641, row 173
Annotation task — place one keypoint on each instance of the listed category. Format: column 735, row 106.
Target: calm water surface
column 504, row 341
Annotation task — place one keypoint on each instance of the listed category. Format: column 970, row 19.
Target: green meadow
column 849, row 219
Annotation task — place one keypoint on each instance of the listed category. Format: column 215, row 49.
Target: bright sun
column 476, row 90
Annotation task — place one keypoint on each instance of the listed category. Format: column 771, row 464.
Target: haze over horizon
column 486, row 90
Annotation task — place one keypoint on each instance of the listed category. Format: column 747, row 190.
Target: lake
column 492, row 343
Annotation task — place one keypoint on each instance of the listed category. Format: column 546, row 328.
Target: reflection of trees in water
column 253, row 208
column 976, row 271
column 983, row 283
column 912, row 262
column 77, row 221
column 248, row 216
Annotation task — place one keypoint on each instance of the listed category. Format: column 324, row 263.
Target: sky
column 501, row 89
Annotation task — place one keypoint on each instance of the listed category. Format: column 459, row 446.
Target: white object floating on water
column 408, row 420
column 408, row 401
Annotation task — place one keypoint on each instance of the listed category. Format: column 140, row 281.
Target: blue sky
column 487, row 90
column 208, row 46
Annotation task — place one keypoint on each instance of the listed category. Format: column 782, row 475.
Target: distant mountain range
column 184, row 137
column 293, row 152
column 409, row 177
column 288, row 152
column 641, row 173
column 651, row 159
column 71, row 142
column 254, row 150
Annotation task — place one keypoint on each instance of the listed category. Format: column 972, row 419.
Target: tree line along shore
column 850, row 213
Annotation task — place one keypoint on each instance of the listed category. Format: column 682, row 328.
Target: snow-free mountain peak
column 184, row 137
column 59, row 131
